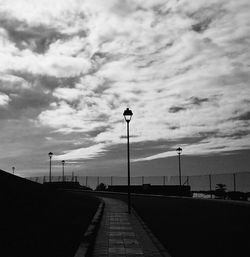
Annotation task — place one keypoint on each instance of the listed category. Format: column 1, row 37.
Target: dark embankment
column 37, row 221
column 195, row 228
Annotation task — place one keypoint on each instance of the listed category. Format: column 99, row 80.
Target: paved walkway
column 123, row 235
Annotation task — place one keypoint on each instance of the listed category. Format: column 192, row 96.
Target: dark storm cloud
column 208, row 134
column 202, row 25
column 162, row 10
column 218, row 134
column 244, row 116
column 96, row 132
column 174, row 127
column 30, row 99
column 205, row 15
column 51, row 82
column 175, row 109
column 147, row 64
column 47, row 82
column 98, row 55
column 132, row 136
column 240, row 134
column 27, row 103
column 192, row 101
column 27, row 97
column 35, row 38
column 198, row 101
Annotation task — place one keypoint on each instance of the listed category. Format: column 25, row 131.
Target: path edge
column 87, row 243
column 163, row 251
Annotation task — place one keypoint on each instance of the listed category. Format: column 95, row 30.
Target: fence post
column 210, row 185
column 234, row 176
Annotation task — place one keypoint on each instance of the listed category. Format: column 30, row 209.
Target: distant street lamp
column 127, row 116
column 179, row 150
column 50, row 156
column 63, row 162
column 13, row 170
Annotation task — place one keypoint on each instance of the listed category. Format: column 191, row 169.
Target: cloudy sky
column 68, row 69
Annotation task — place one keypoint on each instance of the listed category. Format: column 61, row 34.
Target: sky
column 68, row 70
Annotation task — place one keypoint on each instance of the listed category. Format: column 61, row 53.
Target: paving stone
column 122, row 234
column 133, row 251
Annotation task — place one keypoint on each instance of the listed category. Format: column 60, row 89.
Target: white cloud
column 58, row 66
column 66, row 119
column 69, row 47
column 4, row 99
column 82, row 153
column 68, row 94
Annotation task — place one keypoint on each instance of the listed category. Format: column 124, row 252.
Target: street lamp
column 179, row 150
column 127, row 116
column 50, row 156
column 63, row 162
column 13, row 170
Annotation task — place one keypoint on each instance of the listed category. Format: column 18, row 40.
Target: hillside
column 35, row 221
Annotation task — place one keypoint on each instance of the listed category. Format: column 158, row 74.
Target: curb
column 157, row 243
column 86, row 246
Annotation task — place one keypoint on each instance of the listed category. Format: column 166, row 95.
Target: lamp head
column 50, row 154
column 63, row 162
column 127, row 115
column 179, row 150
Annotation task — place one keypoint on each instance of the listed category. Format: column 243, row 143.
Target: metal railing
column 239, row 181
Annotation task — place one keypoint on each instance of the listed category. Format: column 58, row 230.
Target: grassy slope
column 193, row 228
column 40, row 223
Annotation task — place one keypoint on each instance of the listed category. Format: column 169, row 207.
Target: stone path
column 123, row 235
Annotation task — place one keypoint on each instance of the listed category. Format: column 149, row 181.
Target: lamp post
column 50, row 156
column 179, row 150
column 127, row 116
column 63, row 162
column 13, row 170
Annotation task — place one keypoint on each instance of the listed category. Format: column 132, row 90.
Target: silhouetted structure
column 63, row 163
column 154, row 189
column 50, row 156
column 179, row 150
column 127, row 116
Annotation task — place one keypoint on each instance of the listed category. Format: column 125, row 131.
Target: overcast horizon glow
column 68, row 69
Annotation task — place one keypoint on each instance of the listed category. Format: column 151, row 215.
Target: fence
column 239, row 181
